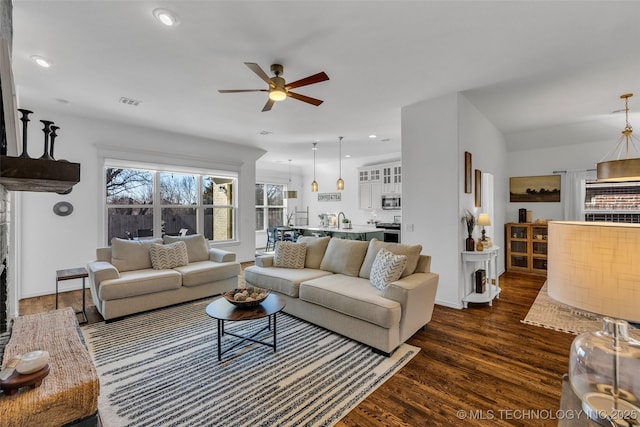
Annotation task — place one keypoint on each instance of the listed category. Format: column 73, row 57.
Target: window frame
column 156, row 206
column 265, row 207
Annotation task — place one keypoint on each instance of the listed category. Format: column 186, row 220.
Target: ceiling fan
column 278, row 89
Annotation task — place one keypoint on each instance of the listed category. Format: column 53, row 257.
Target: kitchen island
column 357, row 232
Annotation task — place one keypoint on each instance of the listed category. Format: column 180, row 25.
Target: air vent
column 129, row 101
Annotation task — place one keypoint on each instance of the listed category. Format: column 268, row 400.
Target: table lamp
column 484, row 220
column 593, row 266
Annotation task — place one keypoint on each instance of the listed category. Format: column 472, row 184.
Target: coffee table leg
column 220, row 326
column 274, row 331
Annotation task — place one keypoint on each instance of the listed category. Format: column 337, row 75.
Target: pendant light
column 314, row 184
column 290, row 194
column 627, row 169
column 340, row 181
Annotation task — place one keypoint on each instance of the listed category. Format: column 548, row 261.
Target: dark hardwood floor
column 481, row 362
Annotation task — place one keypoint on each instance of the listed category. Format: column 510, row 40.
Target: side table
column 489, row 259
column 74, row 273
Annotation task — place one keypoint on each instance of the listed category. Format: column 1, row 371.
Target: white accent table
column 489, row 260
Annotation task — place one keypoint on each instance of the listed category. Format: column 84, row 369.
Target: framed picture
column 544, row 188
column 478, row 189
column 468, row 180
column 8, row 113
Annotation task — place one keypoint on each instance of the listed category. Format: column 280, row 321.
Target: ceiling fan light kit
column 278, row 89
column 626, row 169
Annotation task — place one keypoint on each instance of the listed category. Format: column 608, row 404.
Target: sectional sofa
column 133, row 276
column 328, row 282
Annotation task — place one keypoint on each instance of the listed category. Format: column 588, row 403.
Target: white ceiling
column 545, row 72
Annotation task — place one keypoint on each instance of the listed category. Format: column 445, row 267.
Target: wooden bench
column 69, row 394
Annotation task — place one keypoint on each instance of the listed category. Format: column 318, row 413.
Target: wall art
column 544, row 188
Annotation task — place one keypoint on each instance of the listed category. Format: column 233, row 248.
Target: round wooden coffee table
column 222, row 310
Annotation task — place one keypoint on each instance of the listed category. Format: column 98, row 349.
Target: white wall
column 544, row 162
column 327, row 175
column 49, row 242
column 435, row 135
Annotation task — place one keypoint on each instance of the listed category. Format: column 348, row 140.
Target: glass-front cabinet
column 527, row 248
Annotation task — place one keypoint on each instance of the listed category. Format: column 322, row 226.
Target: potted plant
column 346, row 223
column 470, row 221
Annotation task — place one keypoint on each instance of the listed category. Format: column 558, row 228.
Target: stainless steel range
column 392, row 231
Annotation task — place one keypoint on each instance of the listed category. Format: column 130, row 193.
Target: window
column 143, row 203
column 270, row 205
column 612, row 201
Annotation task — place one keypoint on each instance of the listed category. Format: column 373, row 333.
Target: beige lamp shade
column 484, row 220
column 594, row 266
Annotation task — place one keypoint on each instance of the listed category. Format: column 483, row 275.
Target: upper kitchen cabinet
column 369, row 188
column 376, row 180
column 392, row 178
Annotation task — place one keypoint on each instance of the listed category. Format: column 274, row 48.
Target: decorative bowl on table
column 246, row 297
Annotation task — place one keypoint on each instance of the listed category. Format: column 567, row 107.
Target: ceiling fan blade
column 316, row 78
column 260, row 72
column 241, row 90
column 268, row 105
column 304, row 98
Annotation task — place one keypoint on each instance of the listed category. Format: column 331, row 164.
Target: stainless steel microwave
column 391, row 201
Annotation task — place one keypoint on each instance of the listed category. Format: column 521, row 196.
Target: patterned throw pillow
column 290, row 254
column 169, row 256
column 386, row 268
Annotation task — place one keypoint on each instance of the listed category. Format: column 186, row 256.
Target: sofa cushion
column 290, row 254
column 316, row 247
column 411, row 251
column 202, row 272
column 284, row 280
column 168, row 256
column 387, row 268
column 344, row 256
column 139, row 282
column 197, row 247
column 352, row 296
column 129, row 255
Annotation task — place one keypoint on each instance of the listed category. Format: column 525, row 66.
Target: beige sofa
column 124, row 281
column 333, row 290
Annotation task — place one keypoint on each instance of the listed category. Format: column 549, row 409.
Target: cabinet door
column 363, row 176
column 376, row 195
column 365, row 195
column 374, row 174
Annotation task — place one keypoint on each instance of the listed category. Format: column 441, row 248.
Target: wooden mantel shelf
column 25, row 174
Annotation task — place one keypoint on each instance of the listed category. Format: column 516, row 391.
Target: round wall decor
column 63, row 208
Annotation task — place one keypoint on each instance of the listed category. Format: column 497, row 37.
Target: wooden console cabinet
column 526, row 247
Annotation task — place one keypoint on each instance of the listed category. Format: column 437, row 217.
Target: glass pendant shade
column 340, row 181
column 340, row 184
column 290, row 194
column 314, row 186
column 604, row 372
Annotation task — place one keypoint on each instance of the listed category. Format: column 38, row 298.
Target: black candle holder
column 25, row 120
column 54, row 129
column 47, row 131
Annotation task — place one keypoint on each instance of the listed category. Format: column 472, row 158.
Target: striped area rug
column 161, row 369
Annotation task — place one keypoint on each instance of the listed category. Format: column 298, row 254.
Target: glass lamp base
column 600, row 408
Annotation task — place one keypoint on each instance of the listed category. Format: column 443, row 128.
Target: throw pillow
column 411, row 251
column 386, row 268
column 316, row 247
column 128, row 255
column 197, row 247
column 344, row 256
column 290, row 254
column 169, row 256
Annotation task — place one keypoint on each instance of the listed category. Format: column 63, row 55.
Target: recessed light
column 373, row 136
column 42, row 61
column 347, row 155
column 166, row 17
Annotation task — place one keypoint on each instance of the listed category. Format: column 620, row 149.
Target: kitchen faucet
column 343, row 216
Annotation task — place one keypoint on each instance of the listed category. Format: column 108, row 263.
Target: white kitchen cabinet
column 370, row 195
column 392, row 178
